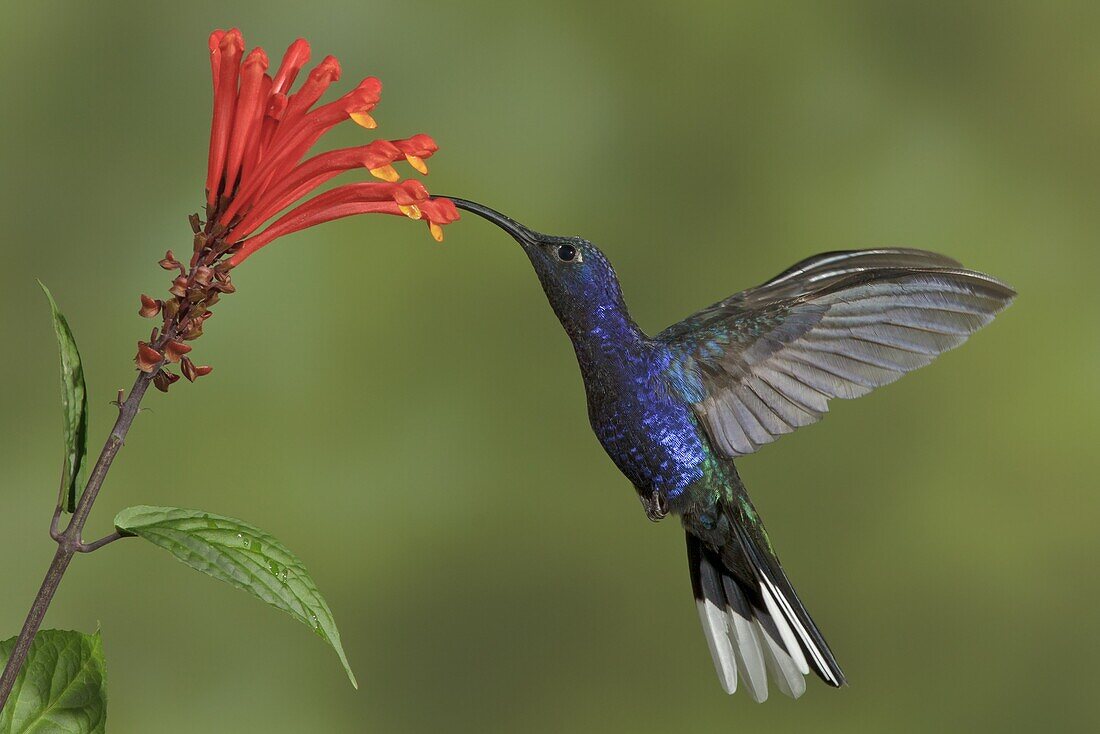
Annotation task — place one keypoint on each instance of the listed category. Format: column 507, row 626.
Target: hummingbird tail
column 754, row 622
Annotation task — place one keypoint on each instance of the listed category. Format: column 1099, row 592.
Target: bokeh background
column 409, row 418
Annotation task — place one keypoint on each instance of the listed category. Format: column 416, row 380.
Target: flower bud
column 150, row 307
column 193, row 372
column 174, row 350
column 193, row 331
column 169, row 262
column 171, row 308
column 148, row 359
column 179, row 287
column 163, row 380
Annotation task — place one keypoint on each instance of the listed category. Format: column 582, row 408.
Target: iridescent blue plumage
column 674, row 410
column 644, row 424
column 649, row 432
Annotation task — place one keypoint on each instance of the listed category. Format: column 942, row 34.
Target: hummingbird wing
column 768, row 359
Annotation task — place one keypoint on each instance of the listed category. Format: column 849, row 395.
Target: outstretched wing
column 767, row 360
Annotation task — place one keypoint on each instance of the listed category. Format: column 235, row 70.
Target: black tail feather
column 772, row 579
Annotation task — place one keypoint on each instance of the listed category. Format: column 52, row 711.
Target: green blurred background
column 409, row 418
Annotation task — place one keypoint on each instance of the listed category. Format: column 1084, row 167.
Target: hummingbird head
column 578, row 280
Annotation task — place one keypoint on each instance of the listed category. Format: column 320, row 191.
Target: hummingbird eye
column 567, row 253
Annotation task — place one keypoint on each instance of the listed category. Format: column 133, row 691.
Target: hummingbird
column 675, row 411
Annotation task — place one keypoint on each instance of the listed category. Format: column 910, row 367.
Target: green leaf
column 74, row 406
column 239, row 554
column 62, row 688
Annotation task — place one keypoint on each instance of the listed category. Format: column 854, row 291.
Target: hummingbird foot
column 656, row 509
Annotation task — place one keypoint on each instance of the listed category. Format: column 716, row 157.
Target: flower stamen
column 386, row 173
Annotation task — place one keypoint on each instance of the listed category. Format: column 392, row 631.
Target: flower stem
column 69, row 541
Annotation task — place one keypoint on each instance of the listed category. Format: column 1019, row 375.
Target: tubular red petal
column 340, row 202
column 247, row 114
column 312, row 173
column 252, row 147
column 231, row 47
column 420, row 145
column 405, row 194
column 364, row 97
column 380, row 152
column 292, row 140
column 296, row 56
column 336, row 211
column 409, row 192
column 296, row 136
column 439, row 210
column 264, row 210
column 322, row 75
column 276, row 107
column 215, row 55
column 298, row 133
column 416, row 149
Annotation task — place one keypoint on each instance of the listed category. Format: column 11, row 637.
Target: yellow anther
column 363, row 119
column 386, row 173
column 411, row 211
column 436, row 230
column 418, row 163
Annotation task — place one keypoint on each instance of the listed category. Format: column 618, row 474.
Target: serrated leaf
column 74, row 407
column 62, row 688
column 240, row 554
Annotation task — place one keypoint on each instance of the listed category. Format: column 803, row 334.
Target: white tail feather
column 746, row 647
column 784, row 672
column 716, row 629
column 785, row 633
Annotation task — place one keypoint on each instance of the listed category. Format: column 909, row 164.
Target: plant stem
column 70, row 540
column 96, row 545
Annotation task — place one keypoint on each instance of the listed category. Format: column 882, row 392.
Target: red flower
column 261, row 131
column 257, row 184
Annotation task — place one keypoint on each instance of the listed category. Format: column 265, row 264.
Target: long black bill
column 522, row 234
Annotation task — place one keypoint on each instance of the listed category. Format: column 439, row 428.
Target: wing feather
column 836, row 325
column 792, row 413
column 837, row 264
